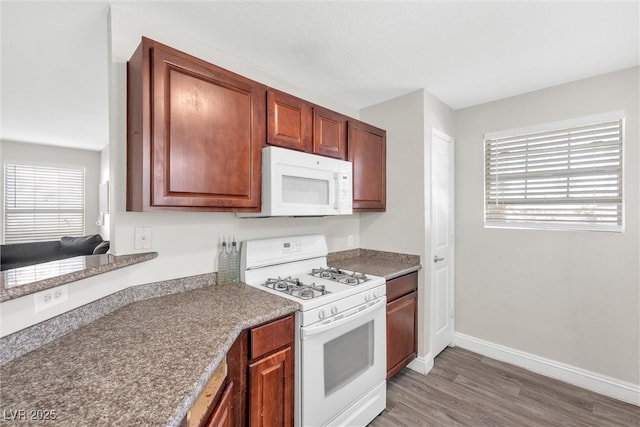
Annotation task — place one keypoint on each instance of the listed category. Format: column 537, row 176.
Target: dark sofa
column 15, row 255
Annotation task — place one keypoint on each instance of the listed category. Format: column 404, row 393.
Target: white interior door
column 442, row 239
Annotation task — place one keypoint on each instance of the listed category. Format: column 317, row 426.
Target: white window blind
column 42, row 202
column 568, row 178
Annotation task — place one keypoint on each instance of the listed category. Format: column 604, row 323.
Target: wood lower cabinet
column 271, row 390
column 289, row 122
column 271, row 374
column 255, row 386
column 222, row 415
column 402, row 322
column 194, row 134
column 367, row 149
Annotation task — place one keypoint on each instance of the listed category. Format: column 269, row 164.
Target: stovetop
column 311, row 291
column 296, row 268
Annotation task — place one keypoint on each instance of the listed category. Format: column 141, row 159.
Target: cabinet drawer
column 266, row 338
column 401, row 286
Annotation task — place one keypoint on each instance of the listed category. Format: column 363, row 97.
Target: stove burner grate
column 340, row 276
column 296, row 288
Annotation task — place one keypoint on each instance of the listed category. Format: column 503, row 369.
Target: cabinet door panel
column 222, row 415
column 401, row 333
column 271, row 390
column 194, row 133
column 367, row 151
column 204, row 141
column 329, row 133
column 289, row 121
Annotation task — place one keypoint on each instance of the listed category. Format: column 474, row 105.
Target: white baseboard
column 612, row 387
column 422, row 364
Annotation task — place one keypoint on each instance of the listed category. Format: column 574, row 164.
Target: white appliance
column 302, row 184
column 340, row 328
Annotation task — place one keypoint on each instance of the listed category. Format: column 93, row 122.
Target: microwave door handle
column 336, row 199
column 314, row 330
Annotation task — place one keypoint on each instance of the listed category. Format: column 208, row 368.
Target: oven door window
column 347, row 356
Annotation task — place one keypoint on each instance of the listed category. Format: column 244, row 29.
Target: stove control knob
column 321, row 314
column 367, row 297
column 334, row 310
column 375, row 294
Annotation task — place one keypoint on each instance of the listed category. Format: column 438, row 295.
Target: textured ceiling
column 464, row 53
column 54, row 70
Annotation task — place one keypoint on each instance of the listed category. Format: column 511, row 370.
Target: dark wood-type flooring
column 466, row 389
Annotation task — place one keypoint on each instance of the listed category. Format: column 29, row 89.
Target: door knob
column 436, row 258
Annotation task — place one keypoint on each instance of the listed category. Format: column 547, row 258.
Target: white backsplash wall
column 188, row 243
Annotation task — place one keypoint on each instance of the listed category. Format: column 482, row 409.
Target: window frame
column 618, row 115
column 23, row 163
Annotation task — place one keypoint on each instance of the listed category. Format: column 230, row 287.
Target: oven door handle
column 314, row 330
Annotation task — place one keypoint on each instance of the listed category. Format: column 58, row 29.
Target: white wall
column 569, row 296
column 405, row 226
column 51, row 155
column 105, row 227
column 401, row 227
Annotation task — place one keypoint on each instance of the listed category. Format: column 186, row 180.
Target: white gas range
column 340, row 328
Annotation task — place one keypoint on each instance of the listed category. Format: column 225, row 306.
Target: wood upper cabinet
column 195, row 133
column 402, row 322
column 329, row 133
column 300, row 125
column 289, row 122
column 367, row 150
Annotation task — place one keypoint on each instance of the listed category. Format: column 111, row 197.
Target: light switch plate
column 142, row 238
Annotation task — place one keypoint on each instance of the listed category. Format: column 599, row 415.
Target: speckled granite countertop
column 379, row 263
column 143, row 364
column 35, row 278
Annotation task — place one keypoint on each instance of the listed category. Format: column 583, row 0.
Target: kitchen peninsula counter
column 143, row 364
column 378, row 263
column 27, row 280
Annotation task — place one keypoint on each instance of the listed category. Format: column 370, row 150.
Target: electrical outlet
column 350, row 241
column 142, row 238
column 49, row 298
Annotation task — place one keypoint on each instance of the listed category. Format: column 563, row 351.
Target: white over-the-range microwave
column 302, row 184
